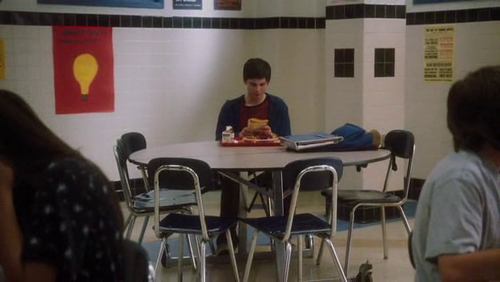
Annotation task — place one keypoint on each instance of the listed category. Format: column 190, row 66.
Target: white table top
column 248, row 158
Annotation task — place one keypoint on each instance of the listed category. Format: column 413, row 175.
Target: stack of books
column 301, row 142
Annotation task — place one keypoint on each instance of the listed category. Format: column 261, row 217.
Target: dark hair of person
column 473, row 110
column 30, row 145
column 256, row 68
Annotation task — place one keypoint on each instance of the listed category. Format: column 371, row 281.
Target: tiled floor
column 367, row 245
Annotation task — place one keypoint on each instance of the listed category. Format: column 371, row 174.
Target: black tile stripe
column 454, row 16
column 363, row 11
column 35, row 18
column 356, row 11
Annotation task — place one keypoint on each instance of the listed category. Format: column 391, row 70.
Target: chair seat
column 302, row 224
column 183, row 223
column 169, row 200
column 366, row 196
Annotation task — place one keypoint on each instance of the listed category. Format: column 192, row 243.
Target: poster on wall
column 155, row 4
column 187, row 4
column 83, row 69
column 227, row 5
column 2, row 60
column 439, row 41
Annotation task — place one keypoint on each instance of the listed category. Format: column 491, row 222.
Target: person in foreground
column 60, row 220
column 457, row 227
column 255, row 103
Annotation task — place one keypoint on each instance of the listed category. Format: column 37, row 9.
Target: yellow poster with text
column 2, row 60
column 439, row 45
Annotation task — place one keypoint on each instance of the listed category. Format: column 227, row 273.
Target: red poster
column 83, row 69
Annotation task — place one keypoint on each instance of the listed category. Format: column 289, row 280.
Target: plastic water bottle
column 228, row 135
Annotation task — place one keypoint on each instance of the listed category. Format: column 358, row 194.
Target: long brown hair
column 30, row 145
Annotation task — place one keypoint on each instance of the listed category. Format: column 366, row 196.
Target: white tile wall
column 476, row 45
column 373, row 103
column 169, row 83
column 158, row 70
column 297, row 54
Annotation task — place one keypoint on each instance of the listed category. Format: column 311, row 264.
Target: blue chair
column 304, row 175
column 401, row 143
column 141, row 205
column 193, row 175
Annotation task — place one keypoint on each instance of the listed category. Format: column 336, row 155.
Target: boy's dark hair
column 256, row 68
column 474, row 110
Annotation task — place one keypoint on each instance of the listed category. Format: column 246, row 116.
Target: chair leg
column 160, row 253
column 270, row 212
column 233, row 257
column 144, row 178
column 300, row 240
column 250, row 256
column 130, row 226
column 198, row 250
column 288, row 254
column 349, row 240
column 384, row 232
column 127, row 223
column 252, row 202
column 143, row 229
column 320, row 252
column 191, row 252
column 309, row 240
column 265, row 206
column 212, row 247
column 203, row 270
column 270, row 207
column 180, row 259
column 336, row 260
column 405, row 219
column 151, row 273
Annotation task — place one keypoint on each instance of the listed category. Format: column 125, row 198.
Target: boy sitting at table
column 256, row 103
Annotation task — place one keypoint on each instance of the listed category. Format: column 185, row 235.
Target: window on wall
column 384, row 62
column 344, row 62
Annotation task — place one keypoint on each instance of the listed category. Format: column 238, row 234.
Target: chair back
column 132, row 142
column 313, row 181
column 121, row 163
column 180, row 174
column 312, row 175
column 136, row 263
column 401, row 143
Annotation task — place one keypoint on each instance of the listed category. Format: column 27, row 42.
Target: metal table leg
column 278, row 210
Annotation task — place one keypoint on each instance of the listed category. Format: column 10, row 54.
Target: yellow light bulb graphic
column 85, row 68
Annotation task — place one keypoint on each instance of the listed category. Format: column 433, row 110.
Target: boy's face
column 256, row 87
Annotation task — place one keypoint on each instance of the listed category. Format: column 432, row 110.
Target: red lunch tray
column 240, row 142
